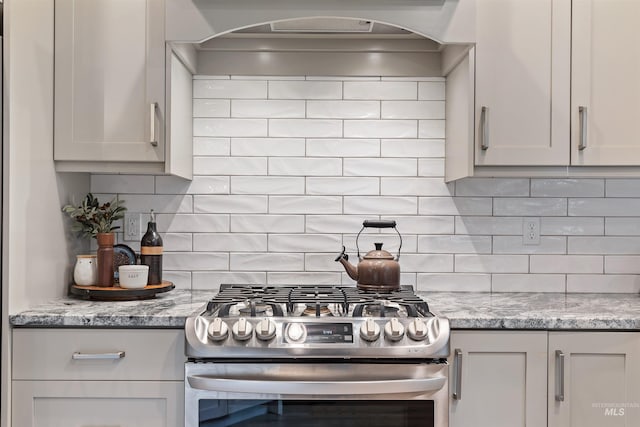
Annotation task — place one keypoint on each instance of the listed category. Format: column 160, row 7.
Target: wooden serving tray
column 116, row 293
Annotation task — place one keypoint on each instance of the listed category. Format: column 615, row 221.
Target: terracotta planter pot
column 105, row 259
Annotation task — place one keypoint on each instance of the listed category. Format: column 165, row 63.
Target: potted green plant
column 96, row 220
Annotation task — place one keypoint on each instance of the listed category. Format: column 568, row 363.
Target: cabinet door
column 594, row 379
column 499, row 379
column 109, row 80
column 522, row 82
column 87, row 403
column 605, row 91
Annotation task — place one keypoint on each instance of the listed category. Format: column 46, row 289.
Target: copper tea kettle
column 378, row 270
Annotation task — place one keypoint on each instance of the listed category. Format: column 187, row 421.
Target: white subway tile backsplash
column 412, row 148
column 626, row 284
column 454, row 244
column 588, row 264
column 166, row 184
column 496, row 187
column 305, row 204
column 431, row 90
column 195, row 261
column 412, row 110
column 133, row 184
column 567, row 188
column 604, row 207
column 229, row 242
column 268, row 147
column 205, row 88
column 380, row 129
column 515, row 245
column 304, row 242
column 192, row 223
column 230, row 165
column 211, row 280
column 230, row 204
column 343, row 109
column 431, row 129
column 413, row 187
column 305, row 128
column 380, row 167
column 607, row 245
column 624, row 264
column 492, row 226
column 301, row 166
column 453, row 282
column 229, row 127
column 454, row 206
column 529, row 207
column 288, row 167
column 343, row 186
column 267, row 185
column 272, row 108
column 260, row 261
column 570, row 226
column 203, row 146
column 211, row 108
column 622, row 226
column 267, row 223
column 528, row 283
column 377, row 205
column 382, row 90
column 491, row 263
column 305, row 89
column 343, row 147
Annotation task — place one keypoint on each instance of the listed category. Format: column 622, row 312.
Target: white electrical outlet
column 132, row 223
column 531, row 231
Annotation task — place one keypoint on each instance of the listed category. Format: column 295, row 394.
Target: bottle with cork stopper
column 151, row 252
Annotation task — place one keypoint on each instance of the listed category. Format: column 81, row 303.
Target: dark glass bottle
column 151, row 252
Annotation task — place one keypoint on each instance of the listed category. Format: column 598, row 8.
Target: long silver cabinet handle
column 582, row 112
column 152, row 120
column 457, row 366
column 321, row 388
column 484, row 123
column 98, row 356
column 559, row 376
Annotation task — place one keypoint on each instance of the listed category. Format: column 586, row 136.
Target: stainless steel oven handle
column 206, row 383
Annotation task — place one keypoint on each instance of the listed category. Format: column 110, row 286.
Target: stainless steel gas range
column 316, row 355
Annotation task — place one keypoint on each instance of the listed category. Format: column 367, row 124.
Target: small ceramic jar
column 85, row 273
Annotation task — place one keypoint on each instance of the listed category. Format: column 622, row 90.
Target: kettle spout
column 351, row 270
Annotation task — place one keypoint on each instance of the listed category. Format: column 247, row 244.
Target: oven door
column 335, row 394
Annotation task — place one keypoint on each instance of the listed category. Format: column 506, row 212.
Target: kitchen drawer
column 149, row 354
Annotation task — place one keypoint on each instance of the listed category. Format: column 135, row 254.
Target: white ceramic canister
column 85, row 273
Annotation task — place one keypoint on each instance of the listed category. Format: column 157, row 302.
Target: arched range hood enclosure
column 444, row 21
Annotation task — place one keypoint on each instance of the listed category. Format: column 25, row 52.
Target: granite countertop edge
column 465, row 310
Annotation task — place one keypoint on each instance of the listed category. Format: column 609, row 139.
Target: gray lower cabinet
column 540, row 378
column 498, row 379
column 88, row 377
column 594, row 379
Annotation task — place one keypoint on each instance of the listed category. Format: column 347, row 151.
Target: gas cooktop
column 253, row 321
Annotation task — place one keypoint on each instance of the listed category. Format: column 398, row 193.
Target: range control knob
column 393, row 330
column 417, row 330
column 369, row 331
column 265, row 330
column 295, row 332
column 217, row 330
column 242, row 330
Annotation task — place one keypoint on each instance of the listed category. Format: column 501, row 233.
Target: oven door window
column 315, row 413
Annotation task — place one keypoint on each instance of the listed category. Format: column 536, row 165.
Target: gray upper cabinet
column 110, row 71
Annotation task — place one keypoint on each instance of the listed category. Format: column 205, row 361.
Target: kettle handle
column 379, row 224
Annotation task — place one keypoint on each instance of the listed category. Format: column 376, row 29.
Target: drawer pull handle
column 152, row 121
column 559, row 376
column 98, row 356
column 582, row 111
column 457, row 363
column 484, row 123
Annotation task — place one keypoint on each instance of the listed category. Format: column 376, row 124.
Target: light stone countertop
column 465, row 310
